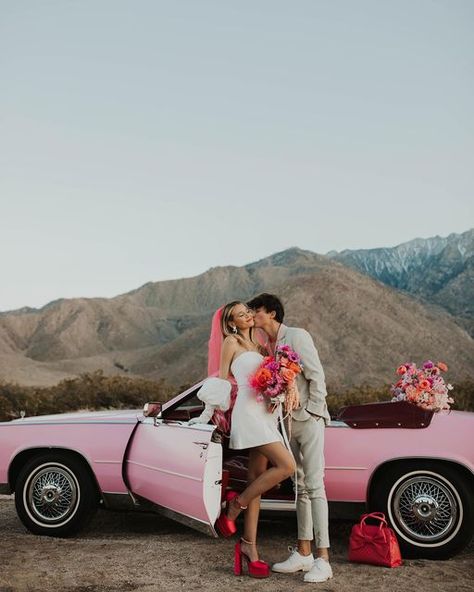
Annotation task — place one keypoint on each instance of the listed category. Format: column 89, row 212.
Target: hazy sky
column 145, row 140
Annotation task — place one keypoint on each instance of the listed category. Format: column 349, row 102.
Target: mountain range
column 367, row 310
column 439, row 270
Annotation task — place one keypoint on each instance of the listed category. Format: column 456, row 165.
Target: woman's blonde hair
column 227, row 329
column 227, row 317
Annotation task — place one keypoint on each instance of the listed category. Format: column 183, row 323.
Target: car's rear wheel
column 55, row 494
column 429, row 506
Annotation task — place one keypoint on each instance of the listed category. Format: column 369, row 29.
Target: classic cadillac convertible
column 416, row 466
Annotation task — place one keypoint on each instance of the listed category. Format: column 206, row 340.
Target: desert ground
column 127, row 552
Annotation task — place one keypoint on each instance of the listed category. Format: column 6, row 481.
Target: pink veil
column 215, row 344
column 220, row 418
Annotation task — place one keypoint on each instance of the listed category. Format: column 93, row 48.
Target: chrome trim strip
column 185, row 519
column 285, row 505
column 132, row 462
column 118, row 501
column 338, row 501
column 42, row 423
column 346, row 468
column 107, row 462
column 280, row 505
column 180, row 396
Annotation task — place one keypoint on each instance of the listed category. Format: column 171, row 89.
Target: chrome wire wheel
column 425, row 509
column 51, row 495
column 55, row 493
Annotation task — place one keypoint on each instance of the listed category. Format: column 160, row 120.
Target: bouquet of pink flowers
column 423, row 386
column 275, row 378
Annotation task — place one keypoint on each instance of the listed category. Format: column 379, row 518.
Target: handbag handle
column 376, row 516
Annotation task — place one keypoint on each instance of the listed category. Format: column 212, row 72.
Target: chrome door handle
column 203, row 445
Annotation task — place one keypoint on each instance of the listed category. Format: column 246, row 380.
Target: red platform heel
column 225, row 525
column 256, row 569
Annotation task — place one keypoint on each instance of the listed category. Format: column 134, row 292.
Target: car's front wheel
column 55, row 494
column 430, row 507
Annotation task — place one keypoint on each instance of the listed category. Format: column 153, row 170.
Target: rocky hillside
column 440, row 270
column 363, row 328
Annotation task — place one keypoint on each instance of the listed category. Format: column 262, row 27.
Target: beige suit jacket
column 311, row 382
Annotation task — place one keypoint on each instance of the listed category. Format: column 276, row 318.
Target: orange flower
column 287, row 374
column 263, row 377
column 296, row 368
column 442, row 366
column 424, row 385
column 401, row 370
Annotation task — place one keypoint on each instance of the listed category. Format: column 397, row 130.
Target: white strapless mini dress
column 252, row 423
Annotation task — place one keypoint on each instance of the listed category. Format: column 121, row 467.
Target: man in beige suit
column 307, row 442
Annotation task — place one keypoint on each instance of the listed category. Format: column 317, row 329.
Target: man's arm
column 312, row 371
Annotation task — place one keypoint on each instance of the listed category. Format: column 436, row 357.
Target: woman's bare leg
column 257, row 465
column 283, row 466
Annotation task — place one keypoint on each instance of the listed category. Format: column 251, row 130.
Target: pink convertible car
column 415, row 466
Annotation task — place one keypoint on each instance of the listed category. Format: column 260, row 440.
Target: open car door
column 178, row 468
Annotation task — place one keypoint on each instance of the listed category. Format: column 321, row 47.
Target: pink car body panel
column 101, row 438
column 168, row 464
column 178, row 467
column 352, row 455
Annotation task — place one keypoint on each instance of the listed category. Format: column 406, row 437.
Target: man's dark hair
column 270, row 303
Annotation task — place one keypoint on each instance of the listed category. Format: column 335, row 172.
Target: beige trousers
column 307, row 445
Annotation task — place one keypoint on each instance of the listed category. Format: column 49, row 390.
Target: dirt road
column 148, row 553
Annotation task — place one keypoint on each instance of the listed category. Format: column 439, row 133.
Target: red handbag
column 374, row 544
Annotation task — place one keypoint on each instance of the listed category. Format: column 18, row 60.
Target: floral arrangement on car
column 424, row 387
column 275, row 379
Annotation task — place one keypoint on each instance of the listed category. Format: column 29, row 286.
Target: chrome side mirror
column 152, row 409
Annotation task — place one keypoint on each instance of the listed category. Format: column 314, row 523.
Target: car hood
column 111, row 415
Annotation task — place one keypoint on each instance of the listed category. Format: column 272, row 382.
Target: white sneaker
column 320, row 572
column 294, row 563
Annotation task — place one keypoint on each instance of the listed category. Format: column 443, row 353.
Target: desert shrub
column 341, row 397
column 94, row 391
column 463, row 394
column 14, row 398
column 90, row 391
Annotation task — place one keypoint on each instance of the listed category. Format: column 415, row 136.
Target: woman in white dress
column 254, row 428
